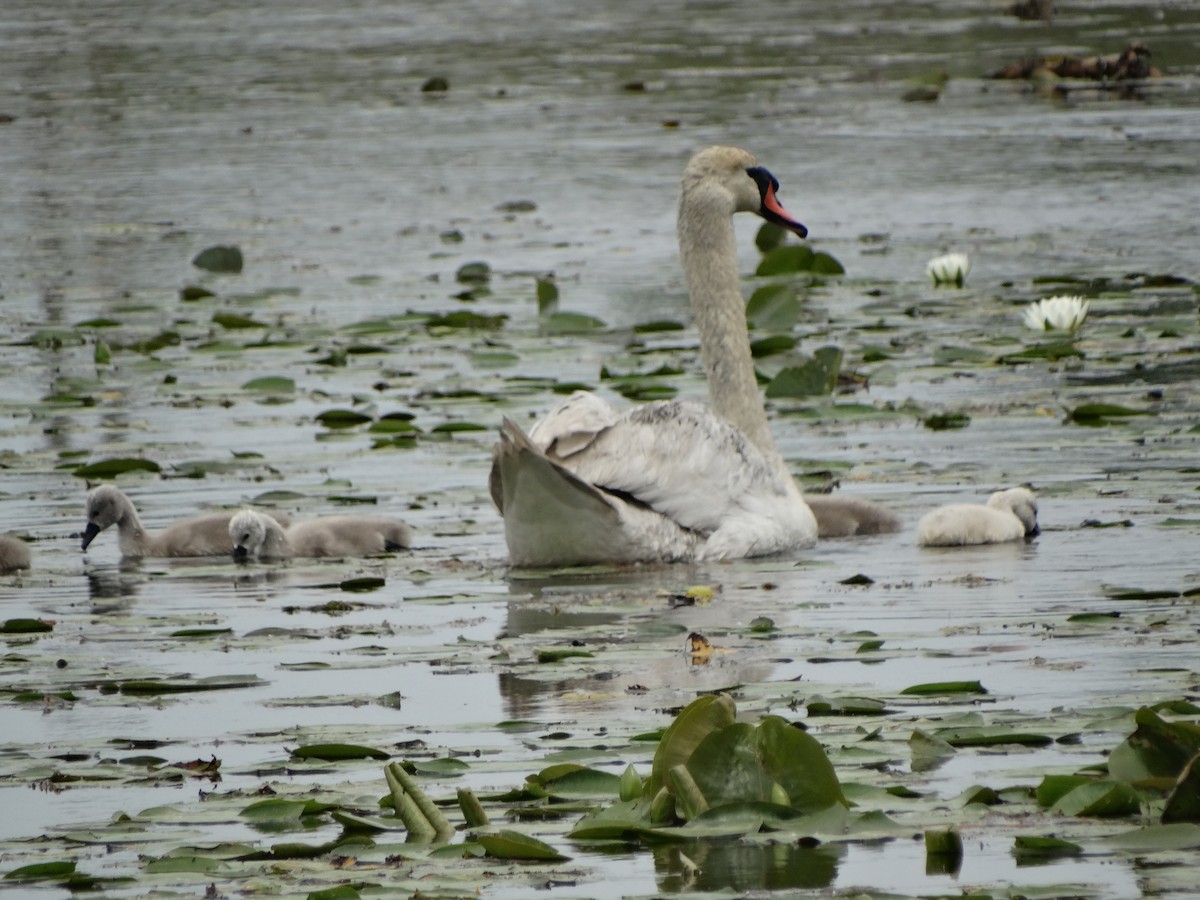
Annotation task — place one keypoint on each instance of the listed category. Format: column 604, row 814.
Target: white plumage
column 1008, row 516
column 671, row 480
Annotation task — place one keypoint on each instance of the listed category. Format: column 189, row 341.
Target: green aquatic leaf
column 743, row 762
column 1099, row 799
column 771, row 345
column 581, row 783
column 1097, row 413
column 236, row 322
column 657, row 326
column 220, row 258
column 1049, row 352
column 337, row 752
column 1031, row 848
column 473, row 273
column 26, row 626
column 785, row 260
column 193, row 292
column 41, row 871
column 950, row 356
column 769, row 236
column 1157, row 750
column 941, row 688
column 466, row 319
column 817, row 377
column 946, row 421
column 270, row 384
column 570, row 323
column 991, row 736
column 111, row 468
column 362, row 584
column 1183, row 803
column 547, row 294
column 1055, row 787
column 774, row 307
column 188, row 686
column 700, row 718
column 342, row 418
column 509, row 844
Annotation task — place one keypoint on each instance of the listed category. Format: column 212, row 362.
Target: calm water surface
column 141, row 133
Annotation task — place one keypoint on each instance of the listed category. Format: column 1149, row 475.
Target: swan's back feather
column 552, row 517
column 665, row 481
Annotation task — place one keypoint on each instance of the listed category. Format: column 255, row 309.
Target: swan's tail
column 551, row 517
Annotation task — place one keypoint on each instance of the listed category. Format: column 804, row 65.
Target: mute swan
column 255, row 536
column 1008, row 516
column 14, row 553
column 670, row 480
column 205, row 535
column 847, row 516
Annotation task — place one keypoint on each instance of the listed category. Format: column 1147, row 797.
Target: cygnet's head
column 248, row 531
column 1022, row 503
column 106, row 506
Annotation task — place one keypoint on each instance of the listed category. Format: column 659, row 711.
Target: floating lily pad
column 946, row 421
column 26, row 626
column 220, row 258
column 271, row 384
column 547, row 295
column 774, row 307
column 111, row 468
column 466, row 319
column 815, row 378
column 939, row 688
column 333, row 752
column 342, row 418
column 509, row 844
column 236, row 322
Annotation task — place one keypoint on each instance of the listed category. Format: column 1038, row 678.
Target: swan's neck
column 131, row 534
column 708, row 251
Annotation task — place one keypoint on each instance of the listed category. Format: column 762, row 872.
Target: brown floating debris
column 1132, row 63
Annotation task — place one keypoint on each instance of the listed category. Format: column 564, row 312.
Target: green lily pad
column 1157, row 752
column 774, row 307
column 342, row 418
column 1099, row 799
column 221, row 258
column 41, row 871
column 940, row 688
column 334, row 752
column 509, row 844
column 111, row 468
column 271, row 384
column 26, row 626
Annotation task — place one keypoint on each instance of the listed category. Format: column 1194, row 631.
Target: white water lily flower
column 952, row 268
column 1062, row 313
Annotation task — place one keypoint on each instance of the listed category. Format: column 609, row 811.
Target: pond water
column 137, row 134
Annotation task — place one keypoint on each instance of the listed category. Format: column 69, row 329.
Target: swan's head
column 1021, row 503
column 733, row 176
column 106, row 506
column 248, row 531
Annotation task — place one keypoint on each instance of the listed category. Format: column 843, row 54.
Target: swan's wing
column 553, row 517
column 681, row 460
column 572, row 425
